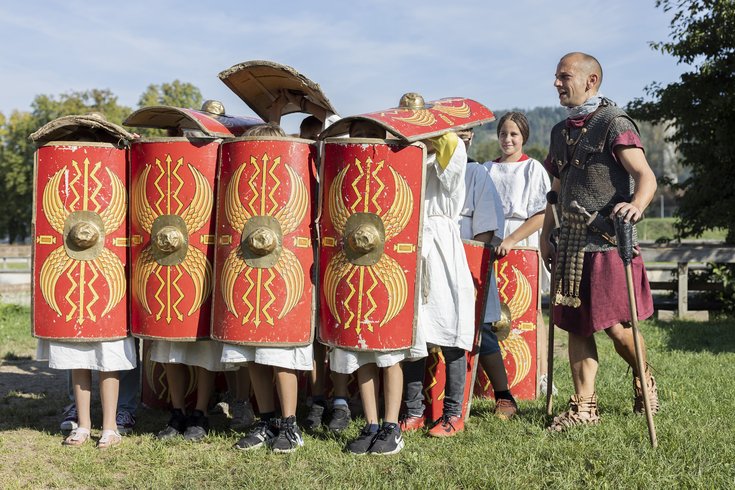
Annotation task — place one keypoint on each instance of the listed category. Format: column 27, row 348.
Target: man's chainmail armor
column 592, row 177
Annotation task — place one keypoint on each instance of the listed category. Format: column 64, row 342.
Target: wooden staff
column 624, row 236
column 552, row 198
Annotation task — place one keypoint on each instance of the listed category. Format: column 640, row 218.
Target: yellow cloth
column 444, row 146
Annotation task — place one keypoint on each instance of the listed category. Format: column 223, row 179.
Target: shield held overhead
column 368, row 253
column 264, row 250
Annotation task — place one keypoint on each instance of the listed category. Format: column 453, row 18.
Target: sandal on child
column 109, row 438
column 77, row 437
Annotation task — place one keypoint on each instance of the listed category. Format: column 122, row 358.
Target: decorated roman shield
column 80, row 240
column 172, row 237
column 479, row 257
column 518, row 287
column 265, row 257
column 414, row 119
column 371, row 215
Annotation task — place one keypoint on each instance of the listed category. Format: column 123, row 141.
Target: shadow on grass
column 713, row 336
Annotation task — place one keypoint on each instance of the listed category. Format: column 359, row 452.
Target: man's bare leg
column 625, row 344
column 583, row 361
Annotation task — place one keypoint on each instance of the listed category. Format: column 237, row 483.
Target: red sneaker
column 409, row 424
column 447, row 426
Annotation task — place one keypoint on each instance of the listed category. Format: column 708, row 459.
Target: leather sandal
column 638, row 405
column 77, row 437
column 108, row 439
column 582, row 411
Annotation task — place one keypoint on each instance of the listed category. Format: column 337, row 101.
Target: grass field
column 694, row 364
column 664, row 228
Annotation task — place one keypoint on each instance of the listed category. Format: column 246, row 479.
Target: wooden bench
column 680, row 259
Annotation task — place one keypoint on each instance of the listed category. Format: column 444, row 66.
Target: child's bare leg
column 205, row 388
column 176, row 379
column 319, row 370
column 109, row 389
column 287, row 385
column 367, row 378
column 261, row 377
column 242, row 384
column 393, row 377
column 82, row 381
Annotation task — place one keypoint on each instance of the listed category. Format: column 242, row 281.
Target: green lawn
column 694, row 364
column 663, row 228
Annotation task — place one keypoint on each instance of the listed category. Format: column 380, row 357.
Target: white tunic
column 111, row 355
column 299, row 358
column 522, row 187
column 482, row 211
column 202, row 353
column 447, row 303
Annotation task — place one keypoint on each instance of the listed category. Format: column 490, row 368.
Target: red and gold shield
column 519, row 284
column 370, row 222
column 264, row 255
column 214, row 125
column 80, row 239
column 479, row 257
column 172, row 237
column 415, row 120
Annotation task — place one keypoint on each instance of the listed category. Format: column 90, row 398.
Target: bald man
column 596, row 159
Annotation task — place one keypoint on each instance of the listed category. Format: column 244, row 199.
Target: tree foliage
column 16, row 151
column 700, row 107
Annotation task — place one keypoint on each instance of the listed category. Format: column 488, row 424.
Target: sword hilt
column 624, row 238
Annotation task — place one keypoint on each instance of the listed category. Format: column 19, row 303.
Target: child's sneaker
column 505, row 409
column 388, row 440
column 289, row 438
column 176, row 425
column 125, row 422
column 314, row 420
column 409, row 423
column 71, row 419
column 242, row 415
column 341, row 418
column 447, row 426
column 262, row 434
column 361, row 445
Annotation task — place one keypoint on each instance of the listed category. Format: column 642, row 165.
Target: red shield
column 479, row 259
column 434, row 118
column 80, row 239
column 370, row 221
column 172, row 237
column 264, row 247
column 519, row 283
column 214, row 125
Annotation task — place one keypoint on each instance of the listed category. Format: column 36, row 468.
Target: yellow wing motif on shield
column 461, row 112
column 113, row 271
column 114, row 214
column 144, row 267
column 53, row 207
column 236, row 213
column 395, row 283
column 292, row 213
column 142, row 211
column 51, row 270
column 398, row 214
column 337, row 268
column 198, row 267
column 514, row 343
column 289, row 268
column 200, row 208
column 420, row 117
column 338, row 212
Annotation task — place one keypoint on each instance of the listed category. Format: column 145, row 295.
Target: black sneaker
column 289, row 438
column 314, row 420
column 197, row 426
column 362, row 444
column 388, row 440
column 176, row 426
column 341, row 418
column 262, row 434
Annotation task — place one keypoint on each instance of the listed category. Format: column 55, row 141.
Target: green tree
column 16, row 151
column 174, row 94
column 699, row 107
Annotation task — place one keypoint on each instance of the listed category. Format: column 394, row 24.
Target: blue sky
column 363, row 54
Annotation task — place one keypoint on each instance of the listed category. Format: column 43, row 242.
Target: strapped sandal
column 77, row 437
column 109, row 438
column 582, row 411
column 638, row 405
